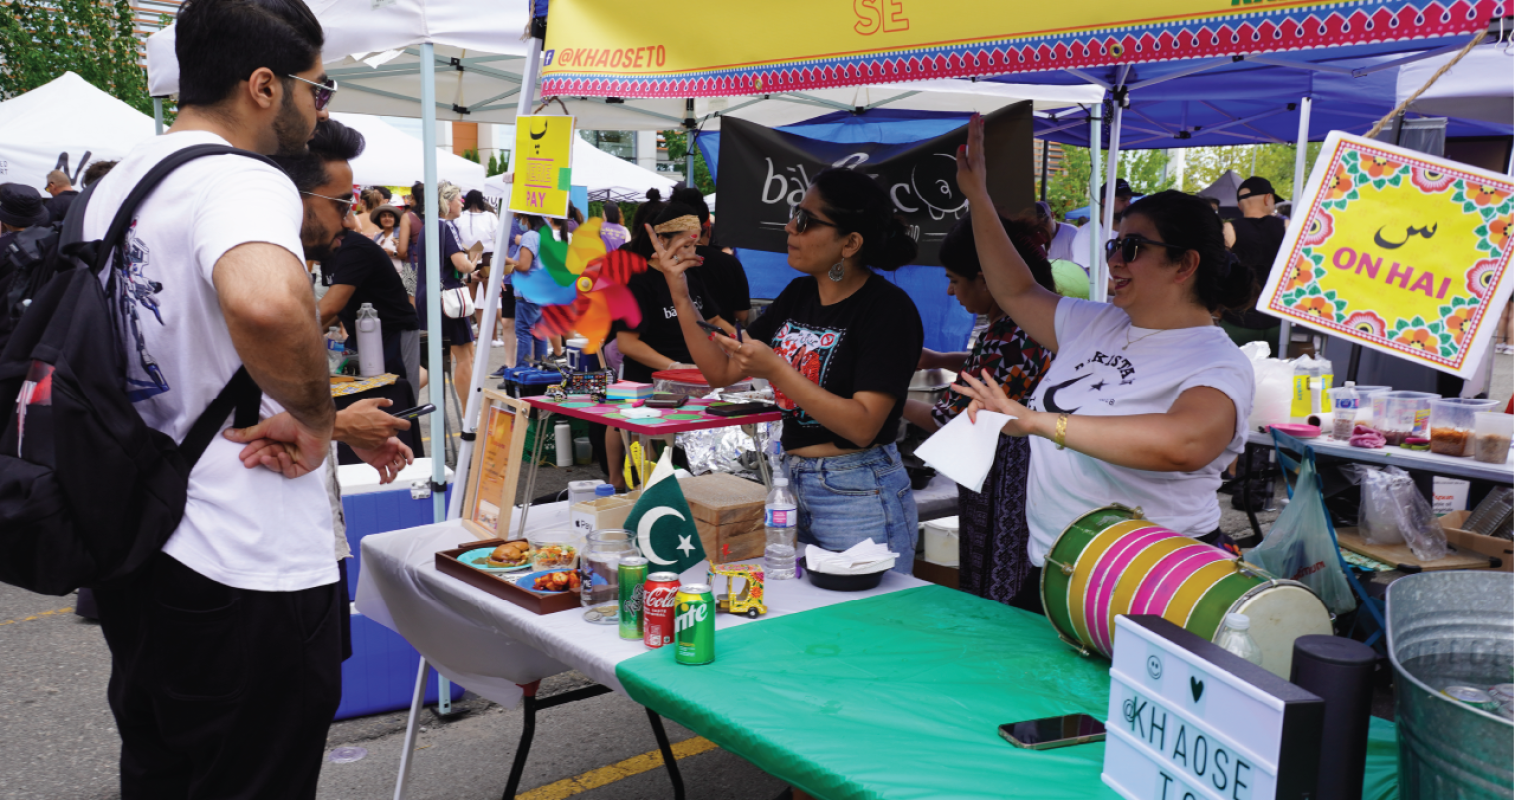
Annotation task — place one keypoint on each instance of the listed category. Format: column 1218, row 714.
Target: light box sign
column 1190, row 721
column 1399, row 251
column 543, row 166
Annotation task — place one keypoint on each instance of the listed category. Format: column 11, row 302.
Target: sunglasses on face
column 1130, row 246
column 803, row 219
column 322, row 91
column 345, row 205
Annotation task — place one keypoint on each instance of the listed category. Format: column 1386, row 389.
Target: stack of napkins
column 629, row 390
column 863, row 558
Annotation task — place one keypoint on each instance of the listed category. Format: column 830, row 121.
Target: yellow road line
column 603, row 776
column 38, row 615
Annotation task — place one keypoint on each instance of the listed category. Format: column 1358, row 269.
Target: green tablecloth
column 901, row 696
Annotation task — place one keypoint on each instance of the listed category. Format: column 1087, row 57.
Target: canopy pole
column 1301, row 151
column 689, row 137
column 1046, row 148
column 158, row 115
column 1096, row 183
column 469, row 423
column 1107, row 215
column 431, row 223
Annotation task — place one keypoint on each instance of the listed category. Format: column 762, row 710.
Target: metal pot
column 928, row 384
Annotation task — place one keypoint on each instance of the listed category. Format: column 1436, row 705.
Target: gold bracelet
column 1060, row 435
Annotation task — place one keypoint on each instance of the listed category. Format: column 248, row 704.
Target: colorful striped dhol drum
column 1111, row 561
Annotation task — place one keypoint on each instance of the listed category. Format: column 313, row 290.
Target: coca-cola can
column 657, row 605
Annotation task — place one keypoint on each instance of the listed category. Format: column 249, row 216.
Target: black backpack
column 88, row 492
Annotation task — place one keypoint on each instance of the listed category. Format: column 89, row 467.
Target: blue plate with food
column 554, row 581
column 508, row 557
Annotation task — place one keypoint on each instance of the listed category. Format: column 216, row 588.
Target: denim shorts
column 846, row 499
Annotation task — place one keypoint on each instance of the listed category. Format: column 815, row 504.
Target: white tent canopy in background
column 1480, row 86
column 65, row 115
column 392, row 157
column 604, row 175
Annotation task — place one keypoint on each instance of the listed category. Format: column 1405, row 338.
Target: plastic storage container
column 1452, row 423
column 1491, row 436
column 557, row 548
column 1402, row 415
column 1365, row 395
column 689, row 383
column 940, row 537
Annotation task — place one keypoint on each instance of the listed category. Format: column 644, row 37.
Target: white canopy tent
column 65, row 117
column 1480, row 86
column 605, row 176
column 392, row 157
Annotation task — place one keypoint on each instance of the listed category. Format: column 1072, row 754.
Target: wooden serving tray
column 1402, row 558
column 447, row 561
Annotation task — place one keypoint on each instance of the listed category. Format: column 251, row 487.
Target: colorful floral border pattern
column 1274, row 29
column 1441, row 339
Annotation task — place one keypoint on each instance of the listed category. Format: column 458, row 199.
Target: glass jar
column 599, row 572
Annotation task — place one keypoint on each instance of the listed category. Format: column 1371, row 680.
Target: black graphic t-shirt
column 869, row 342
column 659, row 328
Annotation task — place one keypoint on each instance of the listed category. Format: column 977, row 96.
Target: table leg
column 444, row 695
column 412, row 725
column 763, row 471
column 536, row 461
column 1246, row 490
column 668, row 758
column 529, row 707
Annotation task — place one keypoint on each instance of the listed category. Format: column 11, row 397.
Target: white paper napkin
column 864, row 558
column 964, row 450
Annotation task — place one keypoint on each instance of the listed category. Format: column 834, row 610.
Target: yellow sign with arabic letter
column 1399, row 251
column 543, row 166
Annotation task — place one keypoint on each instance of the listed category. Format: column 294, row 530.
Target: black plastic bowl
column 845, row 583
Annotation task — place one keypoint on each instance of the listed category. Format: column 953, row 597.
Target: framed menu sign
column 496, row 466
column 1190, row 721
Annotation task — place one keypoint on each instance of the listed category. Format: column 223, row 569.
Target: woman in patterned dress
column 992, row 533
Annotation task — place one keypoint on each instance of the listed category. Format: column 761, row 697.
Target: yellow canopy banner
column 544, row 166
column 600, row 48
column 1399, row 251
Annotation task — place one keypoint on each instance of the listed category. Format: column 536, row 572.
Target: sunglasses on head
column 1131, row 245
column 803, row 219
column 322, row 91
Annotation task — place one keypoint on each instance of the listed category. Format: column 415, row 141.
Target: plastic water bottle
column 334, row 349
column 780, row 519
column 1344, row 402
column 370, row 342
column 1235, row 639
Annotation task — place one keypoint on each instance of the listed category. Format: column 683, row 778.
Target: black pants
column 220, row 692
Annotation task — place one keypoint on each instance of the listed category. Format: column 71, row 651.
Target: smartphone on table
column 1050, row 732
column 412, row 413
column 665, row 400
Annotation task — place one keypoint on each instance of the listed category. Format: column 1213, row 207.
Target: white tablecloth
column 491, row 645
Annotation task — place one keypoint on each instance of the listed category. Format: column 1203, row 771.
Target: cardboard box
column 1503, row 550
column 603, row 512
column 728, row 511
column 935, row 573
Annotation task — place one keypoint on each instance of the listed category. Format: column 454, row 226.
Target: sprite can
column 631, row 577
column 694, row 624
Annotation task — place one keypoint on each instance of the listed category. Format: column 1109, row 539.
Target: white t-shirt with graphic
column 246, row 528
column 1097, row 374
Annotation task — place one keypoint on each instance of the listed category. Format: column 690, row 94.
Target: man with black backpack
column 226, row 645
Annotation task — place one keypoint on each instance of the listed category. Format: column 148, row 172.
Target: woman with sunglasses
column 1147, row 400
column 839, row 345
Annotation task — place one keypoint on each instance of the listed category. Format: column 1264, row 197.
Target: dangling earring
column 836, row 273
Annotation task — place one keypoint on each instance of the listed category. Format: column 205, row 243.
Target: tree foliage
column 1274, row 162
column 678, row 146
column 39, row 41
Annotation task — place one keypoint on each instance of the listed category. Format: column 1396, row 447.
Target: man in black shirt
column 722, row 272
column 62, row 191
column 1255, row 239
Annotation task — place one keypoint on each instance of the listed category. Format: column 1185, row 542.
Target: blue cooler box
column 381, row 675
column 529, row 381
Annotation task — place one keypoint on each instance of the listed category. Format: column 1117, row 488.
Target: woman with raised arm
column 1147, row 400
column 839, row 345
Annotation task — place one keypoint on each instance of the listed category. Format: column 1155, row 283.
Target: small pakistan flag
column 662, row 522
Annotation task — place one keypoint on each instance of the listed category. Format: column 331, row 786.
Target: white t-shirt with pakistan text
column 247, row 528
column 1093, row 375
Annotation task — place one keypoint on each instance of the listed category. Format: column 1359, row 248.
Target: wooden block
column 1401, row 556
column 728, row 512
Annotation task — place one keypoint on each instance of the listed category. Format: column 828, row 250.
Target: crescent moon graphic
column 1050, row 401
column 644, row 532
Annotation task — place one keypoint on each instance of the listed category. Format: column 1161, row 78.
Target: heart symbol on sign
column 1197, row 688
